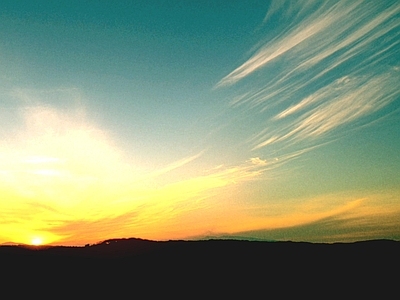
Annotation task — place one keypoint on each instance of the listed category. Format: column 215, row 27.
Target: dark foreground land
column 231, row 267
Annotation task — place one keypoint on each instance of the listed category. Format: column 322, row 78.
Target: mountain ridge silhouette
column 127, row 247
column 213, row 268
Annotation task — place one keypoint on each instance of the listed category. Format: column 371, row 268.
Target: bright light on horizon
column 37, row 241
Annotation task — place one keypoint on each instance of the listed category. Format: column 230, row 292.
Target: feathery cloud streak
column 334, row 64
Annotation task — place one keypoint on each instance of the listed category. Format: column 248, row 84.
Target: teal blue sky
column 178, row 119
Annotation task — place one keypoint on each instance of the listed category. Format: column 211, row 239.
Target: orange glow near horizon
column 68, row 182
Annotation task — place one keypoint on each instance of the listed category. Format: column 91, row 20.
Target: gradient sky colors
column 276, row 120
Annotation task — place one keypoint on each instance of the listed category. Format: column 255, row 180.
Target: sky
column 269, row 120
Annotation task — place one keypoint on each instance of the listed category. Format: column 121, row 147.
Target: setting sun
column 37, row 241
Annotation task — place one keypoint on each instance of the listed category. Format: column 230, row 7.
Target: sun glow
column 37, row 241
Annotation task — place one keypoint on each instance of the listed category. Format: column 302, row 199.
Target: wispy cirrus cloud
column 326, row 30
column 333, row 64
column 339, row 103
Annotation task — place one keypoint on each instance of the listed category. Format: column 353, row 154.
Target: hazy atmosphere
column 272, row 120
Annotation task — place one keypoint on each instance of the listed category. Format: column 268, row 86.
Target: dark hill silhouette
column 224, row 265
column 236, row 250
